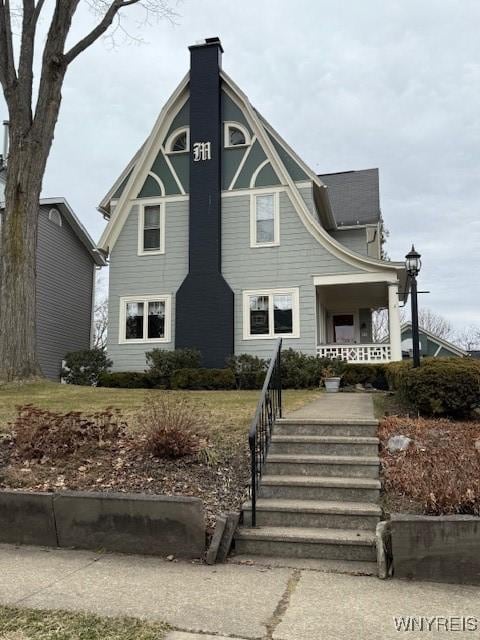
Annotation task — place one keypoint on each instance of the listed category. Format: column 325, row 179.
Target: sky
column 393, row 84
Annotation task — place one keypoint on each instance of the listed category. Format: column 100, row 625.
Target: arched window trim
column 173, row 136
column 240, row 127
column 55, row 216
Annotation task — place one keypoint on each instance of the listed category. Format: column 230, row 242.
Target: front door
column 343, row 328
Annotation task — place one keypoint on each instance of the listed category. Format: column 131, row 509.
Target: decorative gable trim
column 319, row 233
column 145, row 158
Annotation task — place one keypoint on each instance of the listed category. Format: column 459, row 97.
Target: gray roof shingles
column 354, row 196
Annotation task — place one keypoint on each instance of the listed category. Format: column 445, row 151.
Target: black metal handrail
column 269, row 408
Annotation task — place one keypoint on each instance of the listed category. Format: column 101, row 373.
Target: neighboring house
column 431, row 346
column 221, row 238
column 66, row 266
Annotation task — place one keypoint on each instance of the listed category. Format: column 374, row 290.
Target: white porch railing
column 355, row 352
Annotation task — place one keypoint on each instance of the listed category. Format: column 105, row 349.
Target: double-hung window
column 264, row 220
column 151, row 229
column 145, row 319
column 271, row 313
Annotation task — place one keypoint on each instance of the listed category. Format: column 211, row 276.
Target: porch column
column 394, row 328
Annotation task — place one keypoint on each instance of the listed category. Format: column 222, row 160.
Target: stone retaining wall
column 128, row 523
column 436, row 548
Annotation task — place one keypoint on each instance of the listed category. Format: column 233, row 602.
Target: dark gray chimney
column 204, row 309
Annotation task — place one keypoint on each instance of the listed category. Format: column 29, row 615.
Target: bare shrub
column 41, row 433
column 440, row 469
column 172, row 427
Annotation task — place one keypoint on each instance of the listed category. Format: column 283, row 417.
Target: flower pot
column 332, row 385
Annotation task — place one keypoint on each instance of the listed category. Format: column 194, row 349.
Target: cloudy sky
column 393, row 84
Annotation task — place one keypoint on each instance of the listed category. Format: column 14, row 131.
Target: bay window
column 145, row 319
column 271, row 313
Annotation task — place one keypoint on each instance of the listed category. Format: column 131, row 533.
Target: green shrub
column 212, row 379
column 301, row 371
column 439, row 387
column 85, row 367
column 249, row 371
column 125, row 380
column 162, row 364
column 373, row 374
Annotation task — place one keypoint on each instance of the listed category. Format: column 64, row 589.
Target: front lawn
column 29, row 624
column 218, row 476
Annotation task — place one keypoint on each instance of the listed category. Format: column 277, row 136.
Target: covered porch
column 344, row 307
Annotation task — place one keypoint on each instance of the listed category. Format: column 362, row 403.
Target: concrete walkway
column 337, row 406
column 226, row 600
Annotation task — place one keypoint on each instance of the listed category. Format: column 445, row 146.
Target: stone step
column 297, row 542
column 310, row 427
column 313, row 513
column 279, row 464
column 320, row 488
column 325, row 445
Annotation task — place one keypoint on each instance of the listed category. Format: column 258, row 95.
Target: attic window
column 178, row 141
column 236, row 135
column 55, row 217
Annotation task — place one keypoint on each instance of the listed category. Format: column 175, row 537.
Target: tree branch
column 8, row 75
column 99, row 30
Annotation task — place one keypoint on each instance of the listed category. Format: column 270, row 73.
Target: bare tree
column 468, row 338
column 435, row 323
column 100, row 324
column 380, row 323
column 32, row 125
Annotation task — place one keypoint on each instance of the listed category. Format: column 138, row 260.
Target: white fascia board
column 440, row 341
column 316, row 230
column 77, row 226
column 115, row 225
column 354, row 278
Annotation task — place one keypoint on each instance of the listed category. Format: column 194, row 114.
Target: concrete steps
column 333, row 544
column 332, row 445
column 323, row 514
column 279, row 464
column 308, row 427
column 318, row 496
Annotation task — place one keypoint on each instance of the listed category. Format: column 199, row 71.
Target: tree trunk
column 18, row 251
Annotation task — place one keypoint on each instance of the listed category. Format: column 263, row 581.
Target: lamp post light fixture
column 413, row 265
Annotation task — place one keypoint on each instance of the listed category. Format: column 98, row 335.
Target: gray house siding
column 292, row 264
column 131, row 274
column 354, row 239
column 65, row 274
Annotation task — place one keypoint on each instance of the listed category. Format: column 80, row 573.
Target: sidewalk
column 337, row 406
column 231, row 600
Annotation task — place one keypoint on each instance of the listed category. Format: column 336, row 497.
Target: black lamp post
column 413, row 265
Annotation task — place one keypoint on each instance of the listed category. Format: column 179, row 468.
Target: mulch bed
column 121, row 466
column 439, row 472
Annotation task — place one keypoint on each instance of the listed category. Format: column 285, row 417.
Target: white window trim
column 173, row 136
column 226, row 135
column 167, row 298
column 294, row 292
column 141, row 220
column 253, row 218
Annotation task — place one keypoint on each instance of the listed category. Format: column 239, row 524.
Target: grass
column 230, row 411
column 30, row 624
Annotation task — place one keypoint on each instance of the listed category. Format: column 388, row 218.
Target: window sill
column 148, row 341
column 151, row 253
column 236, row 146
column 265, row 245
column 176, row 153
column 275, row 336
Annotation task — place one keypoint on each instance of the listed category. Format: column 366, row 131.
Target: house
column 221, row 238
column 431, row 346
column 67, row 260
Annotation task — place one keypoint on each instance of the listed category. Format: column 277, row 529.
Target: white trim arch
column 231, row 124
column 173, row 137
